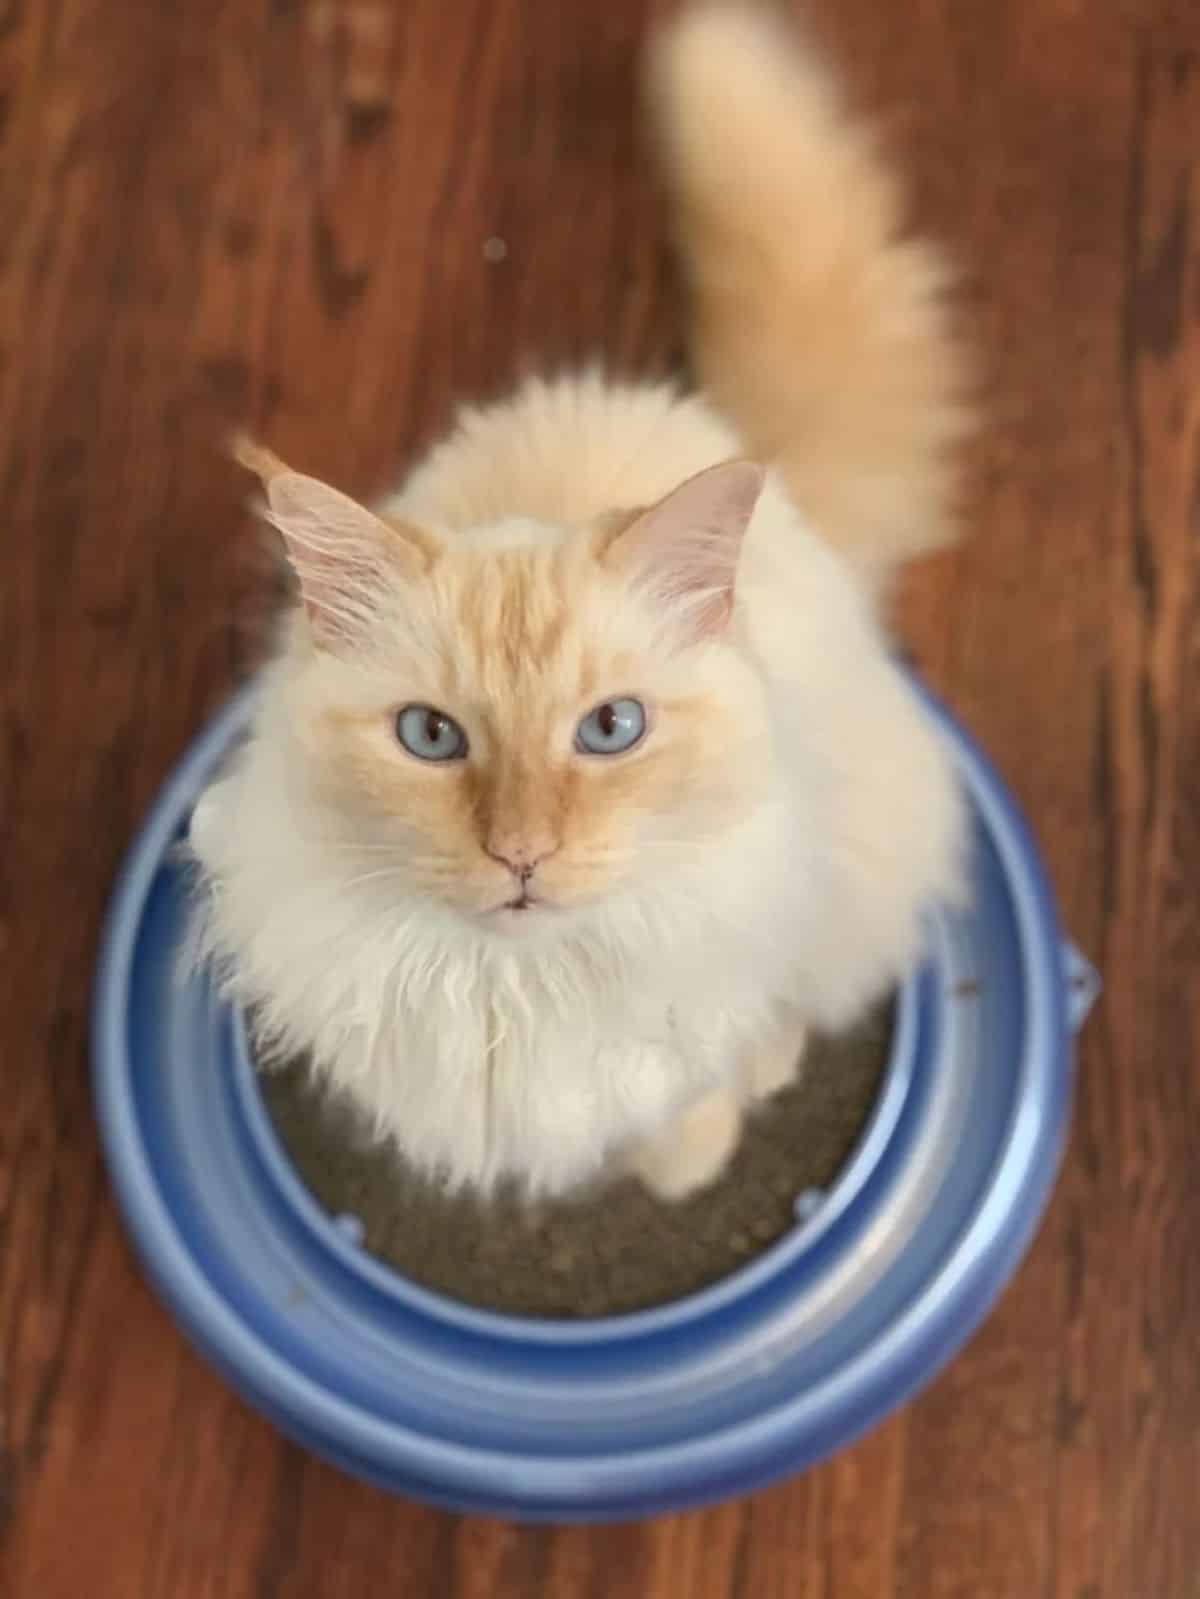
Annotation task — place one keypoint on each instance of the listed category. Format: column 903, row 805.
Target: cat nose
column 521, row 856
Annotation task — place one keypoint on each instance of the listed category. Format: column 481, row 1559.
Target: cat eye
column 430, row 734
column 612, row 728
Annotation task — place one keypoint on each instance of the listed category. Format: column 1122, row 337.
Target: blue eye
column 429, row 734
column 612, row 728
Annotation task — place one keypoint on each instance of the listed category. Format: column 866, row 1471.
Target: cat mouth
column 521, row 903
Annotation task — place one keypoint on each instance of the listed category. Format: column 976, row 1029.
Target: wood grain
column 274, row 212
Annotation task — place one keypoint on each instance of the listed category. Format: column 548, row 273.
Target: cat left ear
column 688, row 545
column 344, row 556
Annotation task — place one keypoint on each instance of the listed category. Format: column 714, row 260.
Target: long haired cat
column 583, row 780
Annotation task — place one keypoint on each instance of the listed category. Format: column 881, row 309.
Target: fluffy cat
column 583, row 780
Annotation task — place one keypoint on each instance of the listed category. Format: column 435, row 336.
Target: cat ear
column 687, row 546
column 344, row 557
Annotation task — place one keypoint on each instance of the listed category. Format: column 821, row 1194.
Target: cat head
column 524, row 721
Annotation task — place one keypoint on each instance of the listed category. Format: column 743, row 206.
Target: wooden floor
column 334, row 220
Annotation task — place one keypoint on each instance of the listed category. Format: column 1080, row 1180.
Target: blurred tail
column 820, row 330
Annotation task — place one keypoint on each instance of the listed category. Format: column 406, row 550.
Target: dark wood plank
column 275, row 212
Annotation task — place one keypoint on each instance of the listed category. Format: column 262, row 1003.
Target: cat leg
column 776, row 1062
column 693, row 1149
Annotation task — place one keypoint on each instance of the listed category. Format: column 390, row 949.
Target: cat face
column 525, row 722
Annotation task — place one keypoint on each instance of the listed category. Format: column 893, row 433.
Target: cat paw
column 777, row 1063
column 693, row 1151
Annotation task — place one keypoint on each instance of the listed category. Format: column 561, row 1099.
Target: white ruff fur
column 544, row 1050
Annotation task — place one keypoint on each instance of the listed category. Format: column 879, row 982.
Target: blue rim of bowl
column 824, row 1416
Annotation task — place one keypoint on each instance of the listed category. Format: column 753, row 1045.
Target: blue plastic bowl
column 766, row 1372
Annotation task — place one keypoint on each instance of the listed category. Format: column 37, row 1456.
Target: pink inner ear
column 690, row 542
column 342, row 554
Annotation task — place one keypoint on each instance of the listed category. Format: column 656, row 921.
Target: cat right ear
column 344, row 557
column 687, row 547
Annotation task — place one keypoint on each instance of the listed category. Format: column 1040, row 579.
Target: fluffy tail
column 820, row 329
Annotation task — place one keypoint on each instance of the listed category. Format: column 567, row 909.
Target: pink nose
column 522, row 857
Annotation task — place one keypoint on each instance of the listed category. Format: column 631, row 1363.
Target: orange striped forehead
column 533, row 633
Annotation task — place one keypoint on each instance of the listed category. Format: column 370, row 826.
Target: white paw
column 693, row 1150
column 776, row 1065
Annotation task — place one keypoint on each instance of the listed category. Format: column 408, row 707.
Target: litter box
column 773, row 1368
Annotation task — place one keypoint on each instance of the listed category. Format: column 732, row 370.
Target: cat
column 583, row 780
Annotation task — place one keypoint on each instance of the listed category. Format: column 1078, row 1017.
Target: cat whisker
column 360, row 846
column 373, row 877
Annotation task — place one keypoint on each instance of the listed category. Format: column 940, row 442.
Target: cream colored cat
column 583, row 780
